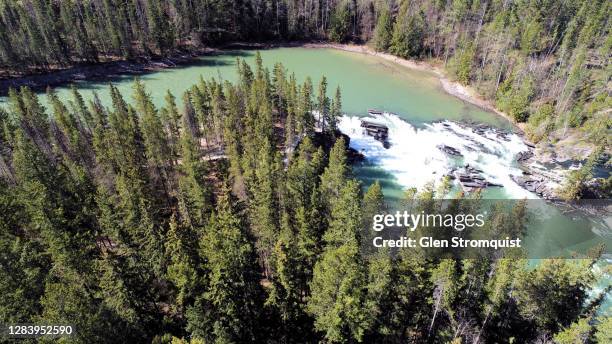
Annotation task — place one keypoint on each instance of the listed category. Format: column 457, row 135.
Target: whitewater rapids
column 414, row 158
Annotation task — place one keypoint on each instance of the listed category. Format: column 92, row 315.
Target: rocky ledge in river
column 450, row 150
column 535, row 178
column 524, row 156
column 470, row 178
column 536, row 184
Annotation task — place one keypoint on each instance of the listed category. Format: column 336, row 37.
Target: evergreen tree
column 408, row 33
column 553, row 294
column 305, row 105
column 339, row 30
column 264, row 206
column 171, row 121
column 335, row 174
column 338, row 295
column 289, row 289
column 384, row 30
column 79, row 109
column 323, row 104
column 25, row 264
column 335, row 112
column 228, row 308
column 183, row 261
column 373, row 204
column 193, row 195
column 154, row 139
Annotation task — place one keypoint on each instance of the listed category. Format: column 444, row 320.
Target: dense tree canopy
column 197, row 220
column 216, row 218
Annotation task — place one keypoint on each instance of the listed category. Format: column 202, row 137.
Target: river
column 418, row 104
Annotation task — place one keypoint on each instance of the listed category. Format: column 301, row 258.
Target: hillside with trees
column 198, row 222
column 546, row 63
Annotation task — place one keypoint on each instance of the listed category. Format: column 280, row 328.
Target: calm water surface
column 366, row 82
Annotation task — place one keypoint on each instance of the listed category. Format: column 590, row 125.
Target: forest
column 129, row 223
column 230, row 214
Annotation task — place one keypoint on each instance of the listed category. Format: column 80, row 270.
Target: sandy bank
column 465, row 93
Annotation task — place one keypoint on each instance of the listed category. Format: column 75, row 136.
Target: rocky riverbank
column 534, row 176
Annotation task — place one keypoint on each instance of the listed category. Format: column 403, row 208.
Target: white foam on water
column 415, row 159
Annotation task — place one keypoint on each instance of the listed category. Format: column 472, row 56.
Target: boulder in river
column 450, row 150
column 470, row 179
column 378, row 131
column 524, row 156
column 534, row 183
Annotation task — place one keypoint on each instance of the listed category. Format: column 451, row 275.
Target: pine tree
column 323, row 103
column 183, row 261
column 68, row 300
column 25, row 264
column 31, row 116
column 72, row 141
column 171, row 121
column 336, row 172
column 302, row 177
column 338, row 295
column 408, row 33
column 57, row 206
column 335, row 112
column 228, row 308
column 345, row 224
column 101, row 136
column 193, row 195
column 604, row 330
column 339, row 30
column 373, row 204
column 154, row 139
column 579, row 332
column 305, row 105
column 124, row 287
column 553, row 294
column 289, row 291
column 124, row 134
column 77, row 105
column 384, row 29
column 264, row 206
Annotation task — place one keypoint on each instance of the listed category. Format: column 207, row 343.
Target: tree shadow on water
column 98, row 76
